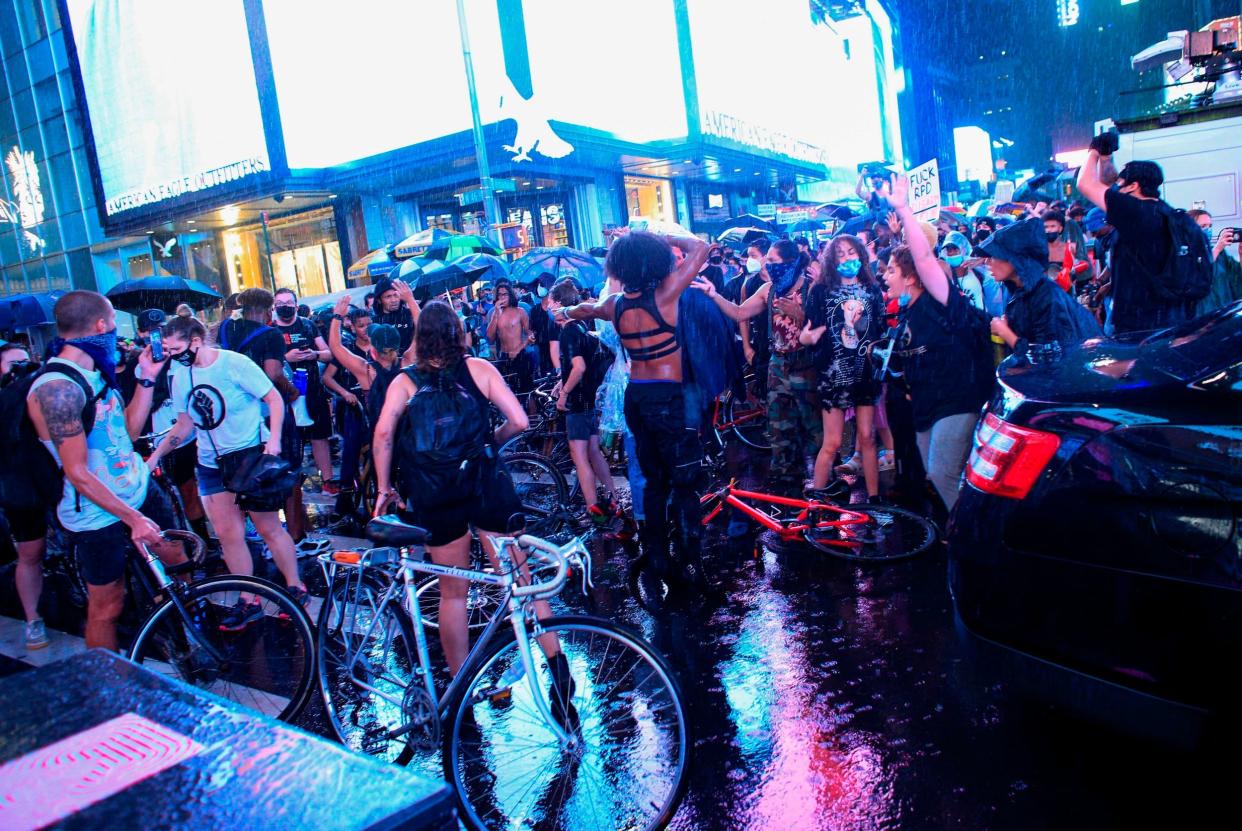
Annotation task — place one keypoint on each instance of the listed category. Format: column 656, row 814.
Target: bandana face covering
column 101, row 348
column 783, row 275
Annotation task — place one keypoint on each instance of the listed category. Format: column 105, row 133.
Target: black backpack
column 30, row 478
column 1187, row 275
column 599, row 359
column 241, row 347
column 442, row 441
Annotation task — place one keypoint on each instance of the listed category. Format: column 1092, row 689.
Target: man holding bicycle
column 107, row 496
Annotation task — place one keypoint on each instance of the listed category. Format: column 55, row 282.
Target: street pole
column 267, row 247
column 491, row 210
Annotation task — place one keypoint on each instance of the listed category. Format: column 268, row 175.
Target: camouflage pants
column 794, row 421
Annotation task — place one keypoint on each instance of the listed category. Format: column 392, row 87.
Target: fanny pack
column 251, row 472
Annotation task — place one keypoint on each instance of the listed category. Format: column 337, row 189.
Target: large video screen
column 170, row 89
column 359, row 79
column 805, row 91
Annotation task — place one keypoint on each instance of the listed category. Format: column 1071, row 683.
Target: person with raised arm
column 667, row 441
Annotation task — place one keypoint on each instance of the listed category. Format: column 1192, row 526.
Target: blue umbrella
column 496, row 267
column 560, row 262
column 374, row 264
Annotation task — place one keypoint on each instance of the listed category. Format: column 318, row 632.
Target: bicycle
column 145, row 445
column 863, row 531
column 269, row 666
column 745, row 418
column 617, row 744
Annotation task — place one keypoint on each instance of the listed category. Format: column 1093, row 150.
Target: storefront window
column 649, row 198
column 304, row 253
column 555, row 229
column 139, row 267
column 444, row 222
column 472, row 222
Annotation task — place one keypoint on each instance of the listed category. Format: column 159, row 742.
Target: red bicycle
column 746, row 418
column 863, row 531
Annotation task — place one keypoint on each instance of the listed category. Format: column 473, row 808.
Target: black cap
column 150, row 319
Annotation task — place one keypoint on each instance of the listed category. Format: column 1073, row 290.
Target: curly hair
column 901, row 257
column 439, row 339
column 828, row 274
column 639, row 260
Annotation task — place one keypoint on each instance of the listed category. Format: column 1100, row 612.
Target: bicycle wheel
column 890, row 533
column 269, row 666
column 628, row 769
column 539, row 485
column 353, row 653
column 482, row 601
column 750, row 420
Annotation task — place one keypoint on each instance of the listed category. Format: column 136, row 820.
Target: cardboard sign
column 925, row 191
column 1004, row 192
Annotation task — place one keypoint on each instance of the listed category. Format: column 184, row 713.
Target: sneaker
column 301, row 595
column 887, row 462
column 851, row 467
column 240, row 616
column 313, row 547
column 599, row 516
column 36, row 634
column 331, row 487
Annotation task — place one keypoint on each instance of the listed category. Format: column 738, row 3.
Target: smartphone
column 1236, row 233
column 157, row 346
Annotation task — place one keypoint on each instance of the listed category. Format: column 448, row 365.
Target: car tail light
column 1007, row 459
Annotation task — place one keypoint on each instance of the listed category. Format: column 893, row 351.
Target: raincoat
column 1038, row 312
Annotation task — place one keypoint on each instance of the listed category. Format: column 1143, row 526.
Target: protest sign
column 925, row 191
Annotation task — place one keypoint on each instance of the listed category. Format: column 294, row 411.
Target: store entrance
column 649, row 198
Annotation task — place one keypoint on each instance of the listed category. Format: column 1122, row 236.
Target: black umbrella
column 21, row 311
column 748, row 221
column 743, row 236
column 165, row 293
column 835, row 210
column 430, row 279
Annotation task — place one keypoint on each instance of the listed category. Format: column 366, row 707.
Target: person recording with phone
column 1226, row 271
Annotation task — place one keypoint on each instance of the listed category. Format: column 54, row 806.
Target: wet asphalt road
column 828, row 696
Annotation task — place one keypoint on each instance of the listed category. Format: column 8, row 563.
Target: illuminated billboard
column 170, row 89
column 810, row 93
column 372, row 76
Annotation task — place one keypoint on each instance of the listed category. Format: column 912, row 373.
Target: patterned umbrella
column 416, row 244
column 375, row 264
column 748, row 221
column 743, row 236
column 496, row 267
column 559, row 262
column 452, row 248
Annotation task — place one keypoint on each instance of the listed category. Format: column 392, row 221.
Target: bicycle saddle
column 390, row 530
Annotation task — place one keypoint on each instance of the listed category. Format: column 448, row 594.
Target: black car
column 1097, row 532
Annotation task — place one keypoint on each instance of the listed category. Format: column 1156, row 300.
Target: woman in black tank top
column 669, row 453
column 439, row 347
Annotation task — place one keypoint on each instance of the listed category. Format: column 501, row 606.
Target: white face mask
column 753, row 266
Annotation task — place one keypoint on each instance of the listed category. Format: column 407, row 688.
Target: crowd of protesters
column 872, row 352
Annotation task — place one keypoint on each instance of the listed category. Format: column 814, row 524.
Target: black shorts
column 180, row 463
column 491, row 510
column 317, row 408
column 101, row 553
column 28, row 524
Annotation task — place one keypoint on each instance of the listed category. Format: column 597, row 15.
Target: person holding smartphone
column 1226, row 271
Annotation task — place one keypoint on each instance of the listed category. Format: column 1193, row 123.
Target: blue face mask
column 955, row 260
column 101, row 348
column 849, row 268
column 1208, row 232
column 783, row 275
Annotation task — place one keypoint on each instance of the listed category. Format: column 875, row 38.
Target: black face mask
column 1052, row 236
column 286, row 313
column 187, row 357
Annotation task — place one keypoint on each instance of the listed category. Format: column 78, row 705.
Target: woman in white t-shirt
column 218, row 393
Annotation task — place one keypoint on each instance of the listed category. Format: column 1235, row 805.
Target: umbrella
column 165, row 293
column 806, row 226
column 22, row 311
column 837, row 210
column 980, row 208
column 325, row 302
column 497, row 268
column 375, row 264
column 748, row 221
column 559, row 262
column 450, row 248
column 415, row 244
column 743, row 236
column 428, row 278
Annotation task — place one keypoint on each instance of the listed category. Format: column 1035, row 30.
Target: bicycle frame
column 807, row 518
column 518, row 598
column 720, row 425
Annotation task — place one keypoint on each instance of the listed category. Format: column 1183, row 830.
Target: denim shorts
column 581, row 426
column 210, row 483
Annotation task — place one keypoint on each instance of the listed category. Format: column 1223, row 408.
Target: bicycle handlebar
column 558, row 556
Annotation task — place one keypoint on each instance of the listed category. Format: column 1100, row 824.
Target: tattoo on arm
column 61, row 403
column 1107, row 171
column 174, row 442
